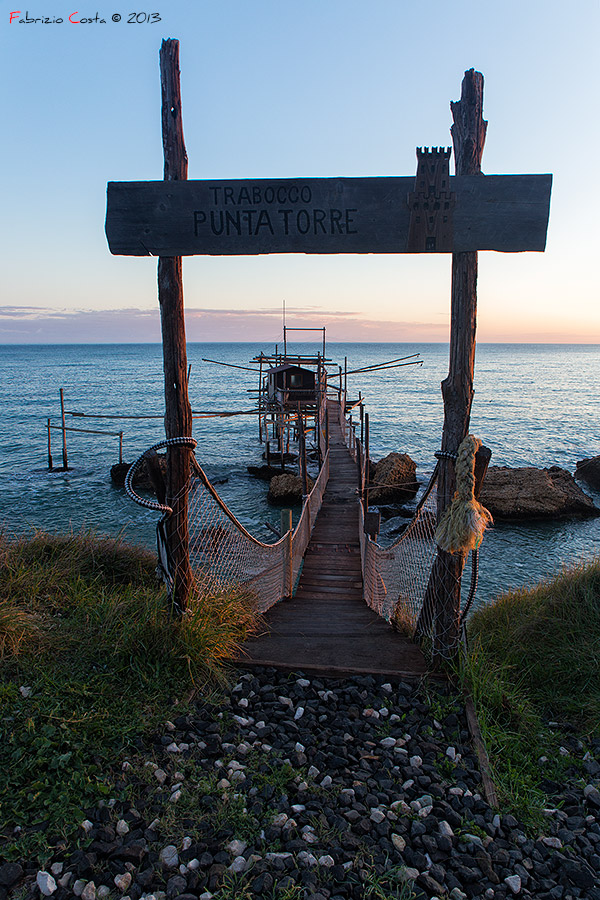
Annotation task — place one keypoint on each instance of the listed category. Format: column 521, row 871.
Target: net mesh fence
column 400, row 582
column 224, row 554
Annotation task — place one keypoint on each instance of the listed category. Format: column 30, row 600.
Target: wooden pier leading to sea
column 326, row 626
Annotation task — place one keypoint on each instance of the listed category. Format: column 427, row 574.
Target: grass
column 89, row 661
column 535, row 657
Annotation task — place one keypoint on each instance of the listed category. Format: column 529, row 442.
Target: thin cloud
column 30, row 324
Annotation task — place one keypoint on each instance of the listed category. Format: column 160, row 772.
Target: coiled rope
column 464, row 521
column 152, row 504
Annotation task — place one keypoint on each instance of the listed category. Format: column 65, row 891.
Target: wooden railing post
column 286, row 530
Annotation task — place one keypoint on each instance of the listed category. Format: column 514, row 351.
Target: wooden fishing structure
column 63, row 428
column 433, row 212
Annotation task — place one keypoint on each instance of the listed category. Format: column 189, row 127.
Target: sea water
column 534, row 405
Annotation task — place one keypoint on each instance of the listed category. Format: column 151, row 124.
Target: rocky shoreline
column 293, row 786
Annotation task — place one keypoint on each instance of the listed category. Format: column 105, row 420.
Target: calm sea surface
column 534, row 405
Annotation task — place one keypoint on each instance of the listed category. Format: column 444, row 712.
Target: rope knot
column 463, row 523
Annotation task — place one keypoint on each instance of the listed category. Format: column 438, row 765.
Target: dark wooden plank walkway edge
column 327, row 628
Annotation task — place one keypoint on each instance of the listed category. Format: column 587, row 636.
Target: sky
column 272, row 89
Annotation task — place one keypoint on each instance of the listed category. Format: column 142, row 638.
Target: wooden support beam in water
column 178, row 411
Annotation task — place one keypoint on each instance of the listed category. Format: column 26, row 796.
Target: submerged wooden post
column 64, row 430
column 49, row 447
column 468, row 136
column 178, row 412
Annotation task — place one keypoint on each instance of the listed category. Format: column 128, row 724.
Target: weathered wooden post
column 178, row 412
column 286, row 530
column 468, row 137
column 64, row 431
column 49, row 446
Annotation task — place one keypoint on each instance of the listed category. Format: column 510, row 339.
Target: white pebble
column 451, row 753
column 169, row 726
column 409, row 874
column 173, row 748
column 87, row 825
column 169, row 856
column 193, row 864
column 299, row 713
column 56, row 868
column 280, row 819
column 446, row 829
column 25, row 691
column 296, row 808
column 89, row 891
column 553, row 842
column 123, row 881
column 386, row 687
column 78, row 887
column 303, row 682
column 299, row 748
column 514, row 883
column 235, row 847
column 66, row 880
column 122, row 827
column 388, row 742
column 46, row 883
column 175, row 796
column 398, row 842
column 103, row 892
column 327, row 781
column 326, row 861
column 416, row 761
column 160, row 775
column 186, row 843
column 377, row 816
column 238, row 865
column 313, row 772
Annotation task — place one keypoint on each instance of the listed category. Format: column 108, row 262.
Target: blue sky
column 290, row 89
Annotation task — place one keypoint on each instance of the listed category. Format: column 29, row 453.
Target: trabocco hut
column 289, row 384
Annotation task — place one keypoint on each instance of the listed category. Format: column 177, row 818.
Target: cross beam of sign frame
column 507, row 213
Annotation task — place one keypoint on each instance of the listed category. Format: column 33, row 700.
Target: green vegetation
column 89, row 661
column 535, row 657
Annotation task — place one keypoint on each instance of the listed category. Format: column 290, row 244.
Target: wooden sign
column 323, row 215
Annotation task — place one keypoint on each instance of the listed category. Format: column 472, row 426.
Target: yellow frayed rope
column 464, row 521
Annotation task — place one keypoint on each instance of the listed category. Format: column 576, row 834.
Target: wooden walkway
column 327, row 627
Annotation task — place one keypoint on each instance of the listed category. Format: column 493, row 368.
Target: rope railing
column 397, row 579
column 223, row 554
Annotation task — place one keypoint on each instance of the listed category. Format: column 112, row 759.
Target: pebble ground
column 293, row 787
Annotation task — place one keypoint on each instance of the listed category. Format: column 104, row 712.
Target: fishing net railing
column 222, row 553
column 399, row 582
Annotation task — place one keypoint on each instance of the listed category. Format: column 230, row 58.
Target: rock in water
column 394, row 479
column 265, row 473
column 588, row 470
column 530, row 493
column 141, row 478
column 286, row 489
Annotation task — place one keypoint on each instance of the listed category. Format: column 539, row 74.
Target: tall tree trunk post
column 178, row 412
column 468, row 137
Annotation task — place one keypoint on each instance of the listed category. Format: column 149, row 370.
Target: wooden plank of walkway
column 327, row 627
